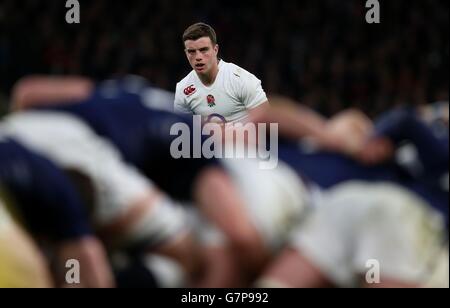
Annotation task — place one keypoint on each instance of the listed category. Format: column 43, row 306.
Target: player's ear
column 216, row 49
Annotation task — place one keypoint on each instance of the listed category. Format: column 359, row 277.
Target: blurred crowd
column 321, row 53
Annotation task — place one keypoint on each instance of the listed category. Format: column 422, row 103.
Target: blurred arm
column 95, row 271
column 219, row 200
column 296, row 121
column 44, row 91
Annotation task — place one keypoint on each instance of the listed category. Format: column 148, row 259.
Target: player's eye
column 203, row 50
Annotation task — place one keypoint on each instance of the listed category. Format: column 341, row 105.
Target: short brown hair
column 199, row 30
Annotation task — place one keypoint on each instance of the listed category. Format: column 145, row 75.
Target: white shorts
column 361, row 223
column 71, row 143
column 275, row 200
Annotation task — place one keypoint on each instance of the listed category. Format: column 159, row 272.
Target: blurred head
column 352, row 128
column 436, row 112
column 200, row 42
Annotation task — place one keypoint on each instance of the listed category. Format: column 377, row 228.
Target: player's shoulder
column 234, row 71
column 187, row 81
column 231, row 68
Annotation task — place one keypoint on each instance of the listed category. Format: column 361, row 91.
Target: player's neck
column 210, row 78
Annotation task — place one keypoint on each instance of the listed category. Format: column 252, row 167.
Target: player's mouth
column 200, row 67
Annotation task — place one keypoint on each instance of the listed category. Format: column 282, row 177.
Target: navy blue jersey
column 402, row 126
column 45, row 198
column 328, row 169
column 142, row 135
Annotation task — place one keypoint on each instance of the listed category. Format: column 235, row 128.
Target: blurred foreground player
column 141, row 132
column 396, row 216
column 44, row 200
column 128, row 212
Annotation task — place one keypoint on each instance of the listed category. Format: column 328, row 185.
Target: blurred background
column 322, row 53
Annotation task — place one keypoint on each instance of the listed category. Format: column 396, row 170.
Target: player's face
column 202, row 55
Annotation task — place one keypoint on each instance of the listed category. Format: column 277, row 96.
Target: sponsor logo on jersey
column 190, row 90
column 211, row 100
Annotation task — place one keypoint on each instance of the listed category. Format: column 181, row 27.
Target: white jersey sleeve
column 252, row 93
column 180, row 105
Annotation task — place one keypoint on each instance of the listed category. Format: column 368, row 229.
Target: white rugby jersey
column 232, row 94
